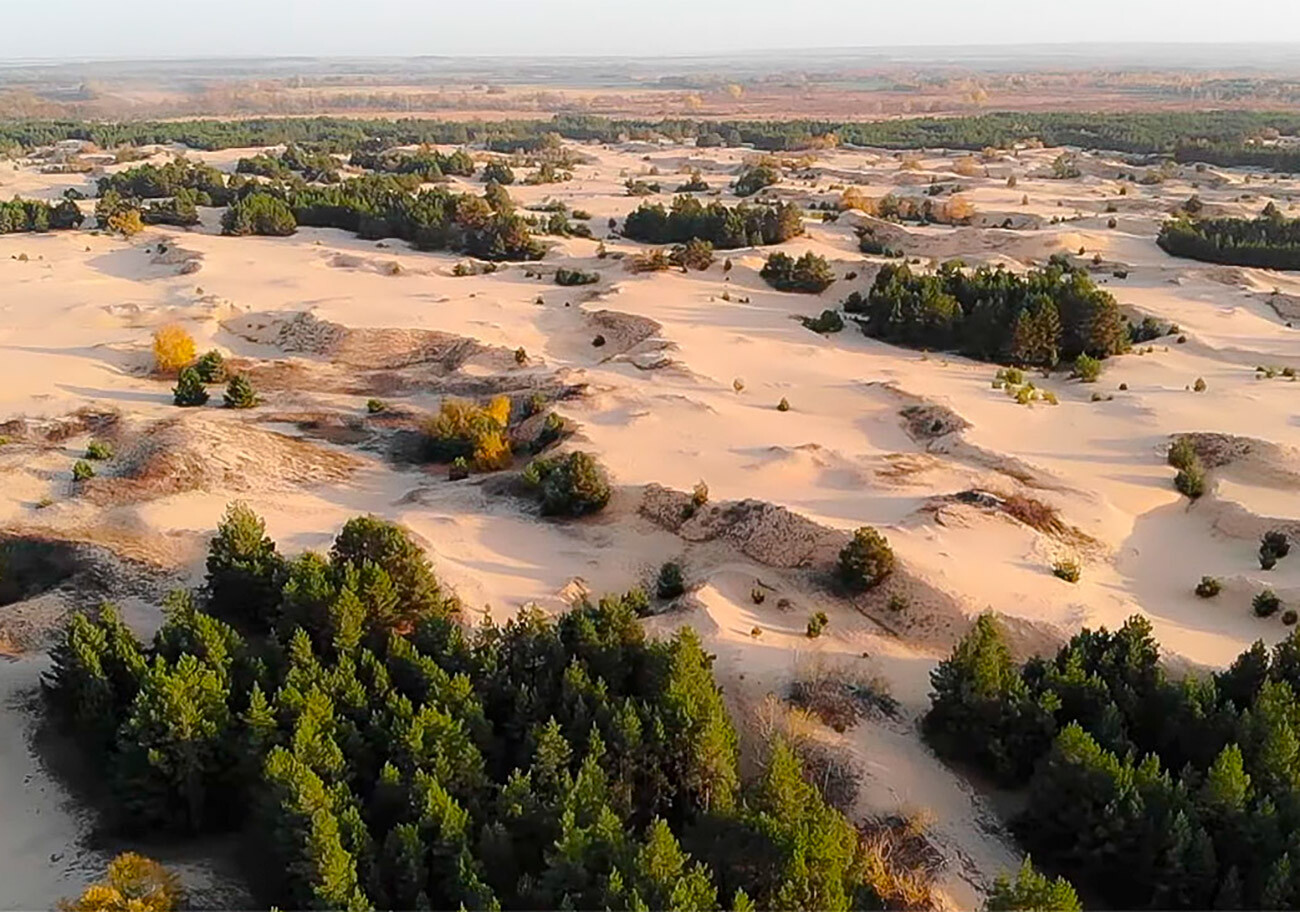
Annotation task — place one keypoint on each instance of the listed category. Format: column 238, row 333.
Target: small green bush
column 375, row 406
column 1191, row 481
column 816, row 624
column 830, row 321
column 1067, row 570
column 1199, row 385
column 1273, row 547
column 866, row 560
column 1266, row 603
column 569, row 277
column 99, row 449
column 211, row 367
column 783, row 405
column 1182, row 454
column 82, row 470
column 1087, row 368
column 240, row 393
column 670, row 582
column 189, row 390
column 572, row 484
column 1208, row 587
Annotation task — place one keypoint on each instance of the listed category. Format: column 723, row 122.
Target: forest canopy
column 1270, row 241
column 724, row 227
column 376, row 753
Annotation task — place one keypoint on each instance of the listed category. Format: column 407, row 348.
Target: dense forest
column 724, row 227
column 1045, row 316
column 1146, row 790
column 1224, row 137
column 375, row 753
column 150, row 181
column 1271, row 241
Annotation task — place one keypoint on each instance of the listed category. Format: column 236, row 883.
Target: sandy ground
column 77, row 313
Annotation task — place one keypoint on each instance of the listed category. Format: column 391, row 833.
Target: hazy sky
column 175, row 28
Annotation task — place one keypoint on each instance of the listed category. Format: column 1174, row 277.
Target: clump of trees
column 259, row 213
column 993, row 314
column 694, row 254
column 1192, row 781
column 498, row 172
column 463, row 430
column 19, row 215
column 379, row 755
column 1271, row 241
column 1190, row 479
column 150, row 181
column 753, row 179
column 725, row 227
column 809, row 273
column 429, row 165
column 571, row 484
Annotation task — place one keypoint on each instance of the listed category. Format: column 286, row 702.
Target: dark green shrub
column 189, row 390
column 830, row 321
column 1266, row 603
column 670, row 582
column 1191, row 481
column 754, row 179
column 572, row 484
column 375, row 406
column 1208, row 587
column 810, row 273
column 498, row 172
column 211, row 367
column 783, row 405
column 1182, row 454
column 99, row 449
column 259, row 213
column 1087, row 368
column 575, row 277
column 240, row 393
column 82, row 470
column 866, row 560
column 1273, row 547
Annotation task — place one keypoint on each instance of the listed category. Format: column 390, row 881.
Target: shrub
column 1191, row 481
column 700, row 494
column 1208, row 587
column 1266, row 603
column 462, row 429
column 650, row 261
column 816, row 624
column 189, row 389
column 695, row 254
column 375, row 406
column 670, row 583
column 126, row 223
column 571, row 484
column 498, row 172
column 240, row 393
column 757, row 595
column 99, row 449
column 1182, row 454
column 754, row 179
column 575, row 277
column 82, row 470
column 810, row 273
column 866, row 560
column 1289, row 617
column 521, row 356
column 783, row 405
column 211, row 367
column 830, row 321
column 259, row 213
column 1199, row 385
column 173, row 348
column 1087, row 368
column 1067, row 570
column 1274, row 546
column 458, row 470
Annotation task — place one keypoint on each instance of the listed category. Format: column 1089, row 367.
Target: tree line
column 311, row 164
column 1148, row 791
column 1270, row 241
column 724, row 227
column 430, row 164
column 1180, row 133
column 1048, row 315
column 376, row 753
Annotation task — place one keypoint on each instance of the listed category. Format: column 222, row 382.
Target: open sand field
column 684, row 389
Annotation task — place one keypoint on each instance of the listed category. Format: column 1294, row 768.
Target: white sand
column 75, row 320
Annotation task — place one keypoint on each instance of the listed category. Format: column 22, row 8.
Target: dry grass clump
column 900, row 860
column 655, row 260
column 839, row 695
column 1034, row 513
column 173, row 349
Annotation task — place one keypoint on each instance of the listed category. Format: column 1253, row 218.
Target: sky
column 67, row 29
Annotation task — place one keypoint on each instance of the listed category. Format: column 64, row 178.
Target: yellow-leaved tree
column 173, row 348
column 133, row 884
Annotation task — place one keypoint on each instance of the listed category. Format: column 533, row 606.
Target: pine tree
column 189, row 390
column 1032, row 892
column 240, row 393
column 244, row 570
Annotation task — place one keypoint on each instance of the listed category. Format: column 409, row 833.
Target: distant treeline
column 724, row 227
column 1271, row 241
column 993, row 314
column 1218, row 136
